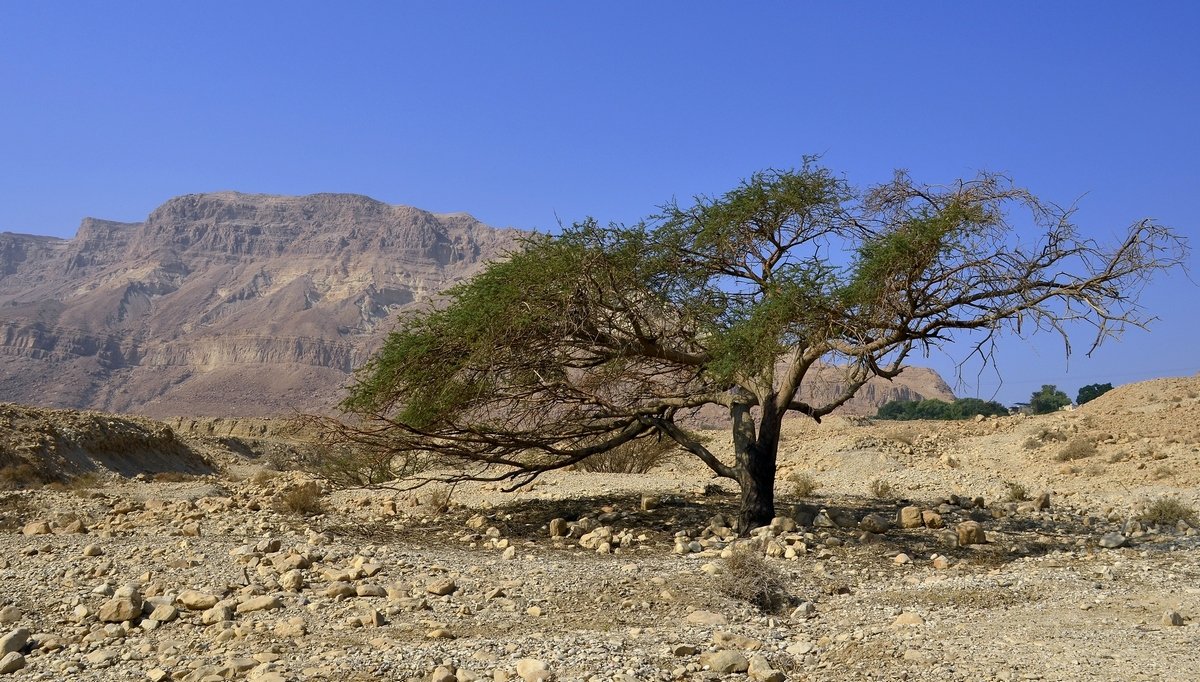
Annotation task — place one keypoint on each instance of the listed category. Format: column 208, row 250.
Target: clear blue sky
column 522, row 113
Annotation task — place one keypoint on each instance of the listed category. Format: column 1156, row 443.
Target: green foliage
column 1091, row 392
column 962, row 408
column 1048, row 399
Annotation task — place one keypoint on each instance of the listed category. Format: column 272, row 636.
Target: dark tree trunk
column 755, row 468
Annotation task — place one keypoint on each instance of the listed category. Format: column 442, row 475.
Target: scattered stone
column 442, row 587
column 901, row 559
column 11, row 663
column 93, row 550
column 196, row 601
column 10, row 614
column 262, row 603
column 559, row 528
column 875, row 523
column 121, row 608
column 1113, row 540
column 533, row 670
column 1042, row 501
column 36, row 528
column 705, row 618
column 909, row 517
column 931, row 519
column 970, row 533
column 725, row 662
column 14, row 641
column 760, row 670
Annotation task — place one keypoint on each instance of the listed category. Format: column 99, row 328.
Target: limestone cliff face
column 222, row 304
column 241, row 305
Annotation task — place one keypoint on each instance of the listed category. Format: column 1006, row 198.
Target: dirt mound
column 60, row 444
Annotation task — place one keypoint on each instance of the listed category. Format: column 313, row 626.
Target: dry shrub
column 21, row 476
column 439, row 498
column 881, row 489
column 803, row 484
column 14, row 512
column 749, row 576
column 1016, row 492
column 303, row 500
column 638, row 456
column 902, row 436
column 1042, row 436
column 263, row 476
column 1168, row 511
column 172, row 477
column 1162, row 472
column 1077, row 449
column 1118, row 456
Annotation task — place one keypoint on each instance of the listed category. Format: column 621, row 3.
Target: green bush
column 1091, row 392
column 962, row 408
column 1048, row 399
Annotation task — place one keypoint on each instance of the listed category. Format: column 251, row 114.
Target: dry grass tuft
column 1077, row 449
column 803, row 484
column 881, row 489
column 1016, row 492
column 302, row 500
column 638, row 456
column 1168, row 511
column 749, row 576
column 23, row 476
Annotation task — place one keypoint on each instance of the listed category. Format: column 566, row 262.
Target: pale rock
column 36, row 528
column 931, row 519
column 14, row 641
column 10, row 614
column 93, row 550
column 533, row 670
column 875, row 523
column 193, row 600
column 760, row 670
column 709, row 618
column 725, row 662
column 292, row 581
column 120, row 609
column 164, row 613
column 908, row 618
column 11, row 663
column 970, row 533
column 216, row 614
column 263, row 603
column 442, row 587
column 559, row 528
column 370, row 591
column 1113, row 540
column 909, row 517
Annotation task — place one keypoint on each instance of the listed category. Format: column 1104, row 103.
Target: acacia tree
column 585, row 341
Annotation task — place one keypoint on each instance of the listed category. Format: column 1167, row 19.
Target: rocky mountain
column 230, row 304
column 221, row 304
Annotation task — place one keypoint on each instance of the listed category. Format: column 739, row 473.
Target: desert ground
column 187, row 550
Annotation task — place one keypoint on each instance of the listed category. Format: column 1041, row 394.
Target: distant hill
column 230, row 304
